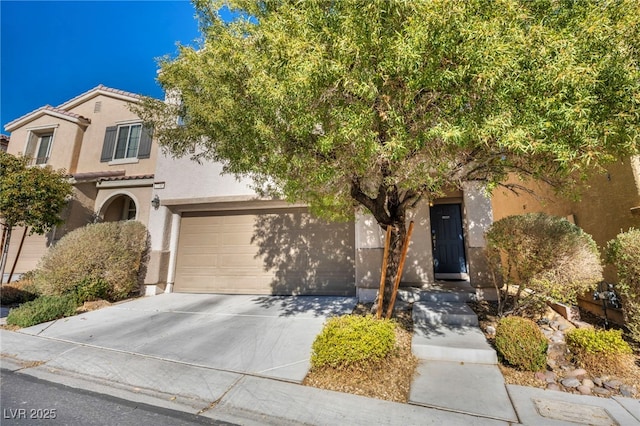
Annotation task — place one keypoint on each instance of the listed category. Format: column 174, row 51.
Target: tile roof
column 49, row 109
column 96, row 90
column 135, row 177
column 97, row 175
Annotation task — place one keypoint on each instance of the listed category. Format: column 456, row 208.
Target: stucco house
column 212, row 233
column 109, row 157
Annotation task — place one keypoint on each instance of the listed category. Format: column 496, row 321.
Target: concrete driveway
column 256, row 335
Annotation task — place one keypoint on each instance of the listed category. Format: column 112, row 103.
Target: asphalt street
column 25, row 400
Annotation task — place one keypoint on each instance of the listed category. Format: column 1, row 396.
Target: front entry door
column 449, row 261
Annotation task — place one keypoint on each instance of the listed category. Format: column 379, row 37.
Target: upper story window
column 126, row 142
column 39, row 146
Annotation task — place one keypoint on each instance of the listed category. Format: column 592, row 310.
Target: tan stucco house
column 214, row 234
column 107, row 153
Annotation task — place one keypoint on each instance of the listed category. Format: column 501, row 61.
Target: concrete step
column 460, row 296
column 476, row 389
column 437, row 294
column 448, row 313
column 452, row 343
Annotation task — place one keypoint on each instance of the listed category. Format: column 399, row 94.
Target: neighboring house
column 213, row 234
column 4, row 142
column 609, row 203
column 107, row 153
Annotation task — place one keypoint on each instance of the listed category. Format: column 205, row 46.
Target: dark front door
column 448, row 243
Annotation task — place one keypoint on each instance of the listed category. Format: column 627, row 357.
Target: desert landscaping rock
column 584, row 390
column 577, row 372
column 628, row 391
column 589, row 383
column 570, row 382
column 553, row 387
column 602, row 392
column 612, row 384
column 597, row 381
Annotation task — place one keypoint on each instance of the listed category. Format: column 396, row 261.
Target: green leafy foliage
column 379, row 104
column 90, row 289
column 31, row 196
column 42, row 309
column 624, row 253
column 521, row 343
column 593, row 341
column 600, row 351
column 331, row 102
column 351, row 339
column 544, row 257
column 98, row 260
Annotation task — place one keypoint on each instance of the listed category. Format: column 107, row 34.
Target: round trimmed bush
column 100, row 260
column 521, row 343
column 351, row 339
column 600, row 351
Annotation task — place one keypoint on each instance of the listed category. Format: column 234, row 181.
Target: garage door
column 264, row 252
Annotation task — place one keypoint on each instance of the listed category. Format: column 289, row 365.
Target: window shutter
column 144, row 150
column 109, row 144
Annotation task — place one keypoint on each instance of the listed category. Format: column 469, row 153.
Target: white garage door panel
column 264, row 252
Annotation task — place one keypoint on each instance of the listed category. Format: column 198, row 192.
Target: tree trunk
column 398, row 235
column 5, row 253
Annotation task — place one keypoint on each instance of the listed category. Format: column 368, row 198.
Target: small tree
column 624, row 253
column 33, row 197
column 544, row 257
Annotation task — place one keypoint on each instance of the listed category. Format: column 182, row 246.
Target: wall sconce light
column 155, row 202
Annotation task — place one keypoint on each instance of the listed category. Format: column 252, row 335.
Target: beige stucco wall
column 66, row 140
column 34, row 247
column 603, row 209
column 112, row 112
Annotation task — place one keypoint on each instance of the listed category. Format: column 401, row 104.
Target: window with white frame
column 39, row 146
column 130, row 141
column 127, row 141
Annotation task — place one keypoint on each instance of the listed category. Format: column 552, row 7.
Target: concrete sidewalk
column 143, row 351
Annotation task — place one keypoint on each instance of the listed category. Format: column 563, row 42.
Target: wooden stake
column 396, row 285
column 15, row 261
column 383, row 275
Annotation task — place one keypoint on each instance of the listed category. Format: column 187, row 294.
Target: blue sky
column 52, row 51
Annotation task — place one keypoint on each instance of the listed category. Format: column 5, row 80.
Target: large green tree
column 379, row 104
column 30, row 196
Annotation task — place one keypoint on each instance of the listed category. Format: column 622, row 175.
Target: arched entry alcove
column 119, row 207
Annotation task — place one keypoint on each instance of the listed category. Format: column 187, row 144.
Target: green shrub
column 351, row 339
column 521, row 343
column 90, row 289
column 602, row 342
column 624, row 253
column 42, row 309
column 88, row 258
column 19, row 291
column 600, row 351
column 544, row 257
